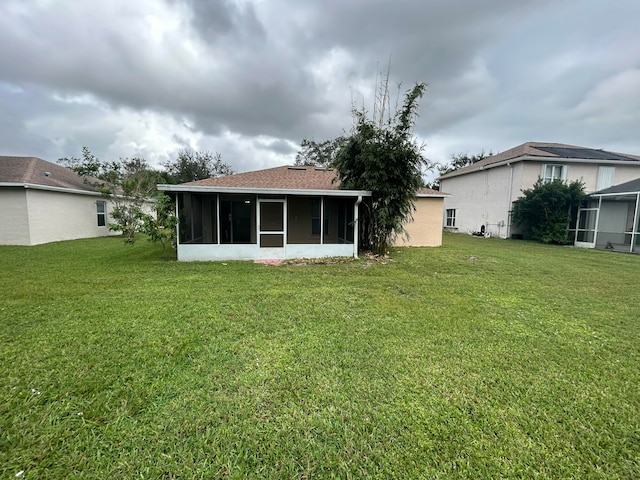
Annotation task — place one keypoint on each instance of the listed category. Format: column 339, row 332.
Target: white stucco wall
column 485, row 197
column 14, row 218
column 481, row 198
column 55, row 216
column 586, row 173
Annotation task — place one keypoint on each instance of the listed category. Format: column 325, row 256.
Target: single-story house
column 610, row 219
column 482, row 194
column 43, row 202
column 281, row 213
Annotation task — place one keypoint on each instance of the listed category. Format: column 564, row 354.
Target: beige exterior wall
column 32, row 216
column 14, row 217
column 426, row 228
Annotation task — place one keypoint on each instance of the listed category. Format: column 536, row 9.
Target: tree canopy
column 458, row 161
column 191, row 165
column 544, row 211
column 129, row 183
column 319, row 154
column 384, row 158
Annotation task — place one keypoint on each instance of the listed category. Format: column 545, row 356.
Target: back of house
column 43, row 202
column 482, row 194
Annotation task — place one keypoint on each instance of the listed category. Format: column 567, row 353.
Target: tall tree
column 321, row 154
column 191, row 165
column 129, row 183
column 544, row 211
column 383, row 157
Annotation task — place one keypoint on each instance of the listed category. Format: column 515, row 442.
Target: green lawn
column 483, row 358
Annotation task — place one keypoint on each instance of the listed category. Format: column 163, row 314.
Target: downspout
column 356, row 226
column 635, row 224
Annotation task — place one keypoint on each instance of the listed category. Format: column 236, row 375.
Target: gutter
column 34, row 186
column 261, row 190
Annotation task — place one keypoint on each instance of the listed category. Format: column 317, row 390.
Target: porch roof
column 295, row 180
column 632, row 187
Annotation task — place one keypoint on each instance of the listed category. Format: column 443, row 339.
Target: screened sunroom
column 610, row 219
column 279, row 213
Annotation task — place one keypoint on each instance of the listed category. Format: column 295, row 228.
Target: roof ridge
column 30, row 170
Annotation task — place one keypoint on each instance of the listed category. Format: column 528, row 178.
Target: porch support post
column 635, row 224
column 356, row 226
column 321, row 220
column 595, row 234
column 218, row 218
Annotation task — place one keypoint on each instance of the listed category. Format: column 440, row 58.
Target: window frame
column 605, row 176
column 101, row 215
column 450, row 217
column 552, row 177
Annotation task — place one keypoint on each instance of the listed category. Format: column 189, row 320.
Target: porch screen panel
column 237, row 219
column 271, row 240
column 338, row 220
column 271, row 217
column 586, row 225
column 302, row 227
column 271, row 220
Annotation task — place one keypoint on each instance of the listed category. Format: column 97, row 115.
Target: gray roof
column 547, row 152
column 35, row 171
column 632, row 186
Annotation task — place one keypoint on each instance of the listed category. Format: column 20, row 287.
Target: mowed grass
column 483, row 358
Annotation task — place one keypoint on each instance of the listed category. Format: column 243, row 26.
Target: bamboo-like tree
column 385, row 158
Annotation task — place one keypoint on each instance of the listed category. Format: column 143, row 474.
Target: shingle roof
column 429, row 191
column 628, row 187
column 556, row 151
column 285, row 178
column 35, row 171
column 294, row 178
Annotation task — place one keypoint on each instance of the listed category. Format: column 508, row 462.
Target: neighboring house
column 43, row 202
column 280, row 213
column 610, row 219
column 482, row 194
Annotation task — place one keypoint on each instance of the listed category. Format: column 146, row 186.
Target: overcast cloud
column 251, row 78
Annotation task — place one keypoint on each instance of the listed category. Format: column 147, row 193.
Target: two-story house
column 482, row 194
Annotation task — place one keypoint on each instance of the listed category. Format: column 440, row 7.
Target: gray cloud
column 249, row 79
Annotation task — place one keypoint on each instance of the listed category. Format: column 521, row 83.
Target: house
column 610, row 219
column 482, row 194
column 281, row 213
column 43, row 202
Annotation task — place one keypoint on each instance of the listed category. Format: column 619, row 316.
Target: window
column 553, row 172
column 101, row 211
column 605, row 177
column 451, row 217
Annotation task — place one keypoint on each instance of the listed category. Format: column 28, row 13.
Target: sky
column 251, row 78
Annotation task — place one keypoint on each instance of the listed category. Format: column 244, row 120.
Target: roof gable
column 35, row 171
